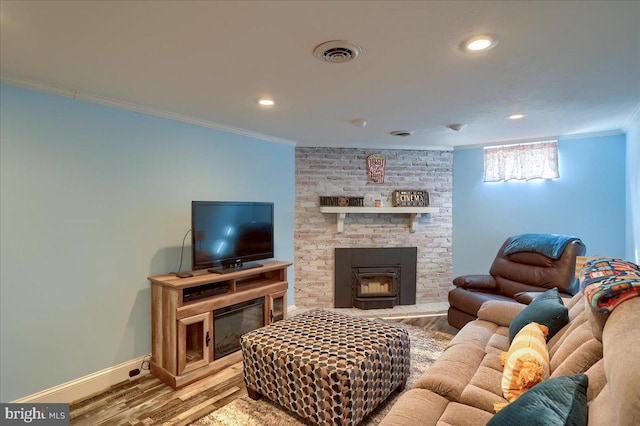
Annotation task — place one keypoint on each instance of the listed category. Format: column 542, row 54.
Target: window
column 537, row 160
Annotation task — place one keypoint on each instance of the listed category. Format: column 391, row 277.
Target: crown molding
column 386, row 147
column 116, row 103
column 633, row 118
column 612, row 132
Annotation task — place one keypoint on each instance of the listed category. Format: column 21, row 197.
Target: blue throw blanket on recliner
column 550, row 245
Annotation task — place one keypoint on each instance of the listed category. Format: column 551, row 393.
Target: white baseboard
column 91, row 384
column 87, row 385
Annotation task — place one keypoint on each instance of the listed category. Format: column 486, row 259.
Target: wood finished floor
column 147, row 401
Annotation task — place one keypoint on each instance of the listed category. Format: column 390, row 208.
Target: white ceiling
column 572, row 66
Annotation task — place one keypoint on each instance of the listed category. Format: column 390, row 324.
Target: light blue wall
column 95, row 199
column 588, row 201
column 633, row 192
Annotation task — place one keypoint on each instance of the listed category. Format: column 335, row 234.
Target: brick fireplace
column 343, row 171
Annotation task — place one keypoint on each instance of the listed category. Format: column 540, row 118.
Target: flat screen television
column 226, row 235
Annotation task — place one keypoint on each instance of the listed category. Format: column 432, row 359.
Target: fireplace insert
column 375, row 287
column 375, row 278
column 230, row 322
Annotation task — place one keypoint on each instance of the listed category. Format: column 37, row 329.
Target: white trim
column 633, row 117
column 88, row 385
column 93, row 383
column 388, row 146
column 520, row 143
column 611, row 132
column 115, row 103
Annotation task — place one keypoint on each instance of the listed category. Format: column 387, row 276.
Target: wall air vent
column 337, row 51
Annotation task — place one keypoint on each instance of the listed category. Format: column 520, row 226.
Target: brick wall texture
column 343, row 171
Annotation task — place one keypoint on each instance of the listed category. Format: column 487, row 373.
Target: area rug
column 426, row 347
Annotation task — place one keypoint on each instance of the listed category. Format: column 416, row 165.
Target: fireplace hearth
column 374, row 278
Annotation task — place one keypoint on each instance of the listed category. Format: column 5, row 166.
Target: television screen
column 228, row 233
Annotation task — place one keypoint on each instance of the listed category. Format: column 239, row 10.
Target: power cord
column 182, row 251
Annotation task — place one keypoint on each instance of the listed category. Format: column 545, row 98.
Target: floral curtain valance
column 538, row 160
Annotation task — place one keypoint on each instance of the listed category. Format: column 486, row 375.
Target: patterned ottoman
column 327, row 367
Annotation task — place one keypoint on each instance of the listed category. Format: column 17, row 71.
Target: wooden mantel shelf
column 414, row 213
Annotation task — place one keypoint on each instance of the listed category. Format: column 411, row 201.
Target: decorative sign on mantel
column 341, row 201
column 410, row 198
column 376, row 164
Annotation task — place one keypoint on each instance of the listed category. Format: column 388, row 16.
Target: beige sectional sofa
column 461, row 387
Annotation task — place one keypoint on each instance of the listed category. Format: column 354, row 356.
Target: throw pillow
column 527, row 362
column 558, row 401
column 547, row 309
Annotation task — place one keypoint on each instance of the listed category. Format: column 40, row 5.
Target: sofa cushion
column 597, row 380
column 416, row 406
column 492, row 360
column 462, row 415
column 480, row 398
column 499, row 312
column 547, row 309
column 621, row 337
column 488, row 379
column 597, row 320
column 575, row 306
column 558, row 401
column 556, row 342
column 578, row 358
column 499, row 340
column 476, row 333
column 602, row 411
column 453, row 370
column 527, row 362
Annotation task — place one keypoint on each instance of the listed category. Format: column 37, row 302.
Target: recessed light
column 480, row 43
column 266, row 102
column 516, row 116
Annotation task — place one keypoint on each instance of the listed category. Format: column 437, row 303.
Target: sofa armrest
column 499, row 312
column 476, row 282
column 527, row 297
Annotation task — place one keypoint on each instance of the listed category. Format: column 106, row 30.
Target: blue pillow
column 547, row 309
column 560, row 401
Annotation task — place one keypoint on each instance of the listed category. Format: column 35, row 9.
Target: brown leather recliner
column 515, row 277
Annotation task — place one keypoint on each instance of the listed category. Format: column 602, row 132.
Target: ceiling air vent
column 403, row 133
column 337, row 51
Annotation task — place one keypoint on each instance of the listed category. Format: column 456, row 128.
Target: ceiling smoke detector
column 403, row 133
column 456, row 127
column 337, row 51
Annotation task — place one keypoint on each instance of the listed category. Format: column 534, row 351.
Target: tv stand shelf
column 183, row 331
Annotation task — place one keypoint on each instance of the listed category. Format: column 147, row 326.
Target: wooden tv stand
column 183, row 321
